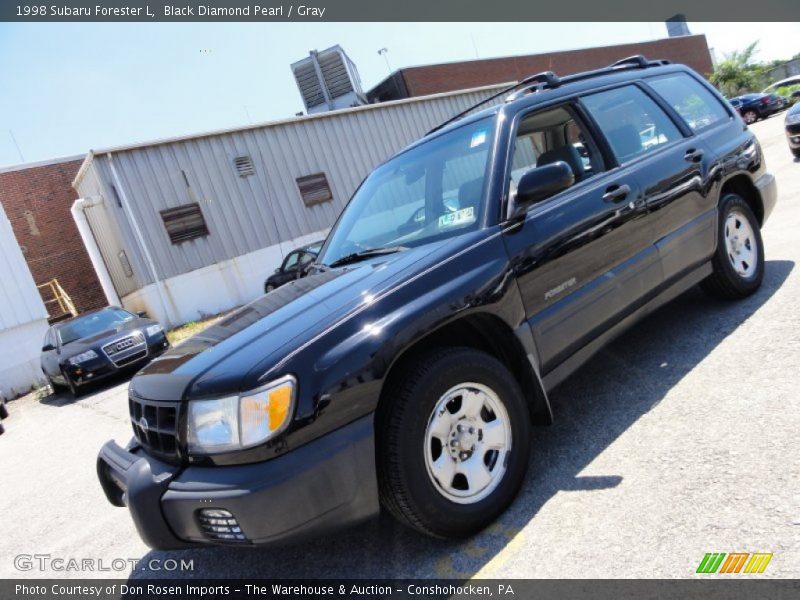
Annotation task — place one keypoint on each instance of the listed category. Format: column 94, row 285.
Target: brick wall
column 37, row 201
column 432, row 79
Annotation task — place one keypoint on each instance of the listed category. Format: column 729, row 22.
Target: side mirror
column 142, row 314
column 539, row 184
column 48, row 347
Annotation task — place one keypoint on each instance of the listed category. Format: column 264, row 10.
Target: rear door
column 583, row 256
column 685, row 238
column 670, row 163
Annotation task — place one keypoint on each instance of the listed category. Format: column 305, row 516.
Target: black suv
column 407, row 369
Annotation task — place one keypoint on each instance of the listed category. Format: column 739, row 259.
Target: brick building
column 37, row 199
column 691, row 50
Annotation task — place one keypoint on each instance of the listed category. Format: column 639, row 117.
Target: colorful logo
column 735, row 562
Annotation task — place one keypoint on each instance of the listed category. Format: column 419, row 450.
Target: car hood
column 100, row 339
column 216, row 361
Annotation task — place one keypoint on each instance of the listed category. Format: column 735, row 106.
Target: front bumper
column 102, row 367
column 768, row 189
column 317, row 488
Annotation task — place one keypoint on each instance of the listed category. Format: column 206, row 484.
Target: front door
column 585, row 255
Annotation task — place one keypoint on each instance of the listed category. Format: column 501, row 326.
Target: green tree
column 737, row 73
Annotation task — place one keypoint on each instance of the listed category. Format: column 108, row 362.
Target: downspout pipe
column 85, row 231
column 171, row 319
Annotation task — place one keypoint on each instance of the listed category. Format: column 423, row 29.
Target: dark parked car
column 98, row 344
column 294, row 266
column 792, row 125
column 407, row 368
column 753, row 107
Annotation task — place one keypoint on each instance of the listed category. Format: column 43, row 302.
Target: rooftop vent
column 328, row 80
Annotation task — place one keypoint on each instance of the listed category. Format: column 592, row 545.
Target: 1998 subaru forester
column 468, row 275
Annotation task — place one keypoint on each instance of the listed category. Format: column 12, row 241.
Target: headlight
column 243, row 421
column 82, row 357
column 154, row 330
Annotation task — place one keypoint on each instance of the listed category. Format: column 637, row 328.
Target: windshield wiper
column 365, row 254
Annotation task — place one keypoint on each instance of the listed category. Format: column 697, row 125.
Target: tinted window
column 632, row 122
column 552, row 135
column 291, row 260
column 698, row 107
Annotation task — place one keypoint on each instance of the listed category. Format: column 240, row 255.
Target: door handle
column 693, row 155
column 617, row 193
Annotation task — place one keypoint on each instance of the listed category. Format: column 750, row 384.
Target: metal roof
column 279, row 122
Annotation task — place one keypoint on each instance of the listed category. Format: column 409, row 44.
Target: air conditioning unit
column 328, row 80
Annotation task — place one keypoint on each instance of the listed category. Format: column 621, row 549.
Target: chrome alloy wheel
column 467, row 442
column 741, row 245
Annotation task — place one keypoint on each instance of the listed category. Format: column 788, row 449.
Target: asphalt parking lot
column 679, row 439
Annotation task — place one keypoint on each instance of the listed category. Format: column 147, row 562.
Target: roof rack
column 543, row 78
column 549, row 80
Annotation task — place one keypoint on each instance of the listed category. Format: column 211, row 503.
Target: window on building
column 184, row 223
column 314, row 189
column 632, row 122
column 693, row 102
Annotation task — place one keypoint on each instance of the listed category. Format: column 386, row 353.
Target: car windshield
column 430, row 192
column 93, row 324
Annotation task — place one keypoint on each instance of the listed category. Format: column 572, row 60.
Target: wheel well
column 489, row 334
column 743, row 186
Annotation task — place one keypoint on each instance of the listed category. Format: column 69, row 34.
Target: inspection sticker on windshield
column 478, row 138
column 460, row 217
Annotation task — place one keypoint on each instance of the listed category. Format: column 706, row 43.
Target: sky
column 66, row 88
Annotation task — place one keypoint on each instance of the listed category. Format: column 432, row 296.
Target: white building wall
column 213, row 289
column 23, row 318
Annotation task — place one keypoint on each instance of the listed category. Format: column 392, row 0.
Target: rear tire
column 750, row 117
column 739, row 259
column 447, row 466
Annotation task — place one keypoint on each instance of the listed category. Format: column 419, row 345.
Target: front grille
column 155, row 425
column 125, row 350
column 793, row 128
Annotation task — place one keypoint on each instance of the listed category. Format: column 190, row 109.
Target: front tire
column 74, row 390
column 56, row 387
column 750, row 117
column 453, row 442
column 738, row 262
column 796, row 152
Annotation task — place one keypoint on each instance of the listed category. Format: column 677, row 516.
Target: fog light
column 219, row 524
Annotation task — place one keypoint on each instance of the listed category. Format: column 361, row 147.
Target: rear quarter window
column 697, row 106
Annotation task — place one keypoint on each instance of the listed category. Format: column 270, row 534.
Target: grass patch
column 184, row 332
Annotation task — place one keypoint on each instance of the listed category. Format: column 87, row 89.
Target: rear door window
column 693, row 102
column 631, row 121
